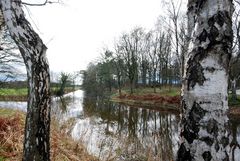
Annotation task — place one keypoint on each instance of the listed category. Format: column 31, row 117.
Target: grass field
column 20, row 94
column 13, row 92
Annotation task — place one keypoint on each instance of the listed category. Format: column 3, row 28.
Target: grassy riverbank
column 20, row 94
column 166, row 99
column 12, row 133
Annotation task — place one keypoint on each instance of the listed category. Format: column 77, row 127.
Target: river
column 113, row 131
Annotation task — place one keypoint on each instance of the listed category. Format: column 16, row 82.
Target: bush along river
column 112, row 131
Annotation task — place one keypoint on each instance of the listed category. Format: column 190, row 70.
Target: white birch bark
column 33, row 51
column 205, row 134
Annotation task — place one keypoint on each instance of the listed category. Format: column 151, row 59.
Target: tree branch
column 237, row 2
column 40, row 4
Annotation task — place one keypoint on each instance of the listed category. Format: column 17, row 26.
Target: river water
column 113, row 131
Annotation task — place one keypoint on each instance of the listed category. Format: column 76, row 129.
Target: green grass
column 23, row 91
column 13, row 92
column 232, row 102
column 2, row 159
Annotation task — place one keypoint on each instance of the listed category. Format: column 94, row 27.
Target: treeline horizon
column 140, row 58
column 153, row 58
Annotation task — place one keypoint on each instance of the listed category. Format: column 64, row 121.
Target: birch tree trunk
column 204, row 124
column 33, row 51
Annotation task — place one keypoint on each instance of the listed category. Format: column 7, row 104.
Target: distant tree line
column 139, row 58
column 143, row 58
column 153, row 58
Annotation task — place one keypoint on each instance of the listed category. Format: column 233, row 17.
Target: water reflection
column 69, row 106
column 117, row 132
column 235, row 127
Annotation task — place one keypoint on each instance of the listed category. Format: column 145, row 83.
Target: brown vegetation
column 62, row 146
column 13, row 98
column 11, row 137
column 158, row 102
column 152, row 97
column 234, row 111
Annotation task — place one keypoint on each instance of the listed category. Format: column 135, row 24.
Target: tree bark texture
column 204, row 124
column 33, row 51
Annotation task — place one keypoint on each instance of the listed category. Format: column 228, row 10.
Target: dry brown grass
column 63, row 148
column 11, row 137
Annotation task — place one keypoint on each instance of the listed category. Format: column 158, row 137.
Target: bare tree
column 33, row 51
column 174, row 9
column 130, row 47
column 119, row 67
column 143, row 60
column 165, row 56
column 155, row 52
column 205, row 134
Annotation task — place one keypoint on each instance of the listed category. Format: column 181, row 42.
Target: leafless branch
column 40, row 4
column 237, row 1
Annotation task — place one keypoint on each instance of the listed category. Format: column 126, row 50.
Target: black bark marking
column 188, row 134
column 207, row 156
column 216, row 18
column 214, row 33
column 195, row 75
column 205, row 102
column 20, row 20
column 224, row 141
column 203, row 36
column 209, row 141
column 225, row 38
column 227, row 157
column 184, row 106
column 220, row 18
column 26, row 35
column 212, row 127
column 191, row 125
column 217, row 147
column 199, row 5
column 210, row 69
column 196, row 113
column 195, row 70
column 183, row 154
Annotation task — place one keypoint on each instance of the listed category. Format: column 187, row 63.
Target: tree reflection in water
column 140, row 133
column 118, row 132
column 235, row 126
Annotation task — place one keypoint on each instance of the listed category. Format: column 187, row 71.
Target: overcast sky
column 76, row 32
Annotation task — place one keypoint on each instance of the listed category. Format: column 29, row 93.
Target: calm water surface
column 112, row 131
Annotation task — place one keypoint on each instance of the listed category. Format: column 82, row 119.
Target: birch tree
column 33, row 51
column 205, row 134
